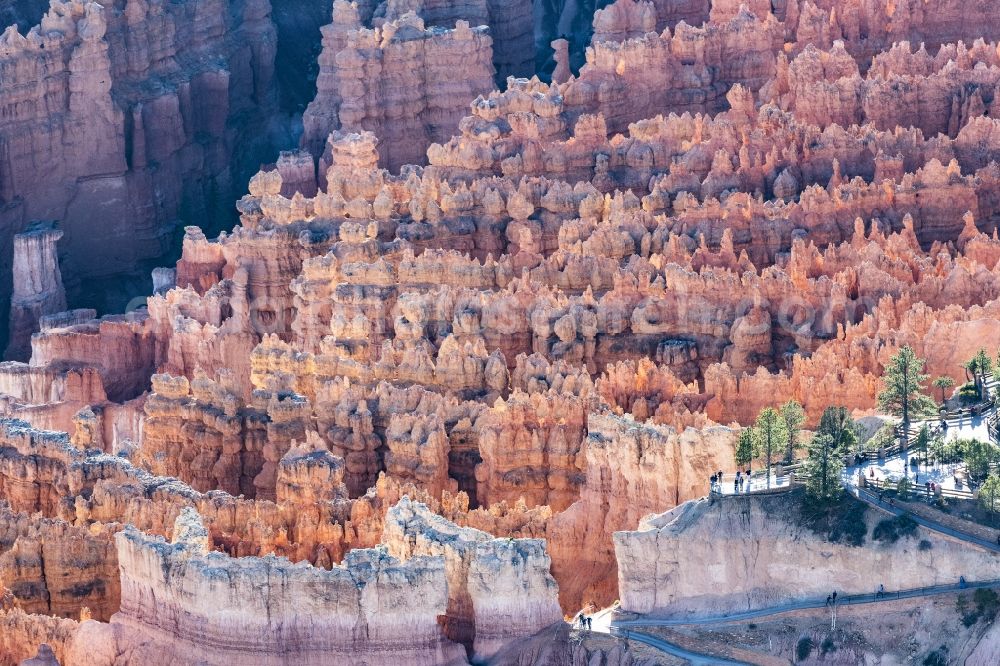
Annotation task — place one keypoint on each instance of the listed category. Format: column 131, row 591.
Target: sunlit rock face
column 373, row 604
column 407, row 81
column 418, row 403
column 499, row 590
column 745, row 541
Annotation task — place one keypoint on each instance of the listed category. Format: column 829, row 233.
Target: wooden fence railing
column 918, row 490
column 758, row 486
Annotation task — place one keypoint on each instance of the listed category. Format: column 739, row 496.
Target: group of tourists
column 930, row 487
column 585, row 621
column 741, row 482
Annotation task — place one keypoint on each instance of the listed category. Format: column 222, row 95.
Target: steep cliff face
column 744, row 544
column 38, row 289
column 631, row 469
column 53, row 568
column 182, row 603
column 406, row 82
column 500, row 591
column 123, row 119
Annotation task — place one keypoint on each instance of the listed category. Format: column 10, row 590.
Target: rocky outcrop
column 500, row 591
column 631, row 469
column 53, row 568
column 687, row 69
column 38, row 289
column 745, row 542
column 24, row 635
column 146, row 114
column 372, row 605
column 406, row 83
column 826, row 87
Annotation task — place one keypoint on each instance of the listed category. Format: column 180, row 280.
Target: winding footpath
column 695, row 658
column 807, row 604
column 870, row 498
column 626, row 628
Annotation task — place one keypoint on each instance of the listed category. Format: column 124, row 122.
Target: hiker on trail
column 736, row 483
column 928, row 486
column 881, row 591
column 580, row 620
column 871, row 472
column 829, row 600
column 834, row 595
column 961, row 582
column 713, row 479
column 590, row 622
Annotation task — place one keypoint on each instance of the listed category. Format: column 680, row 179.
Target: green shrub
column 804, row 648
column 987, row 603
column 842, row 521
column 924, row 545
column 937, row 658
column 851, row 529
column 891, row 530
column 968, row 392
column 963, row 608
column 827, row 646
column 978, row 456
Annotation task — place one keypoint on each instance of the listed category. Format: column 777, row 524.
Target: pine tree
column 989, row 495
column 944, row 382
column 922, row 442
column 902, row 394
column 834, row 438
column 979, row 366
column 823, row 467
column 838, row 424
column 770, row 435
column 745, row 450
column 794, row 417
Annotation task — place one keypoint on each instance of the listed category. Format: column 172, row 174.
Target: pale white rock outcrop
column 744, row 553
column 499, row 590
column 182, row 603
column 38, row 286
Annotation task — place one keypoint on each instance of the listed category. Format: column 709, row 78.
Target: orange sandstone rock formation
column 467, row 336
